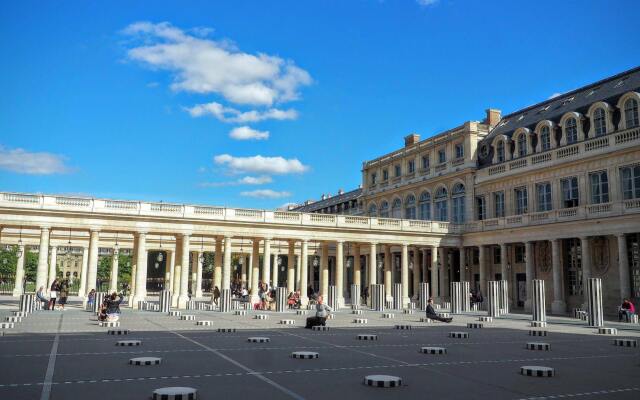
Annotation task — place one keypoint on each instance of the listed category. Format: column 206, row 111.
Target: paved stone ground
column 66, row 355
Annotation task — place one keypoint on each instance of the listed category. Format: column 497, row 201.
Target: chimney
column 323, row 197
column 493, row 117
column 340, row 192
column 411, row 139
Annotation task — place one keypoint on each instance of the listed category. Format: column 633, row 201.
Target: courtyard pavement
column 66, row 355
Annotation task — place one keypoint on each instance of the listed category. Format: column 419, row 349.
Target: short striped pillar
column 332, row 301
column 281, row 299
column 538, row 307
column 456, row 297
column 27, row 303
column 594, row 297
column 397, row 296
column 165, row 301
column 98, row 301
column 355, row 296
column 466, row 299
column 504, row 296
column 493, row 299
column 225, row 300
column 377, row 297
column 424, row 296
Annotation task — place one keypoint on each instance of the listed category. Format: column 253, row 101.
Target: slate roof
column 331, row 201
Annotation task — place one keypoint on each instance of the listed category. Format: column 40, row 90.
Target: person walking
column 216, row 295
column 64, row 293
column 91, row 298
column 53, row 294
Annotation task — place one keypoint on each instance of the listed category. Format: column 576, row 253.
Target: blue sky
column 138, row 100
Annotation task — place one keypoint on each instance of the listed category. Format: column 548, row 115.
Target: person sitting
column 431, row 313
column 294, row 300
column 110, row 309
column 41, row 297
column 244, row 294
column 626, row 310
column 322, row 313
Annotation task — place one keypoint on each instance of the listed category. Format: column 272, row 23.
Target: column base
column 17, row 292
column 340, row 301
column 406, row 301
column 199, row 293
column 558, row 307
column 304, row 301
column 254, row 298
column 136, row 298
column 388, row 298
column 182, row 302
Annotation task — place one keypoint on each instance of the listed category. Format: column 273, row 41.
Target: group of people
column 58, row 292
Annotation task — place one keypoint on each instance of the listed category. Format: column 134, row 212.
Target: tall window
column 398, row 170
column 498, row 201
column 457, row 199
column 573, row 259
column 373, row 210
column 497, row 256
column 500, row 151
column 411, row 166
column 569, row 192
column 410, row 207
column 374, row 177
column 459, row 150
column 631, row 113
column 385, row 174
column 481, row 208
column 599, row 187
column 600, row 122
column 396, row 209
column 522, row 145
column 441, row 204
column 425, row 162
column 384, row 209
column 425, row 206
column 630, row 182
column 519, row 252
column 442, row 156
column 544, row 196
column 545, row 138
column 521, row 200
column 571, row 130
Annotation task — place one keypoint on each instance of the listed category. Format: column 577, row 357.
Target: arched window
column 571, row 130
column 441, row 204
column 373, row 210
column 522, row 145
column 599, row 122
column 631, row 113
column 500, row 151
column 457, row 199
column 425, row 206
column 545, row 138
column 410, row 207
column 396, row 209
column 384, row 209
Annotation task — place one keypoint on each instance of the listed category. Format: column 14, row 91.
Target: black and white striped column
column 493, row 299
column 281, row 299
column 397, row 296
column 594, row 298
column 27, row 303
column 504, row 296
column 98, row 301
column 456, row 297
column 355, row 296
column 377, row 297
column 165, row 301
column 424, row 295
column 538, row 307
column 332, row 300
column 225, row 300
column 466, row 299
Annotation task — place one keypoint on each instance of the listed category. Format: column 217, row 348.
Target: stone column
column 255, row 268
column 250, row 273
column 538, row 307
column 324, row 270
column 503, row 261
column 274, row 268
column 594, row 302
column 298, row 269
column 171, row 255
column 416, row 273
column 18, row 288
column 304, row 265
column 463, row 264
column 177, row 274
column 387, row 272
column 372, row 266
column 291, row 267
column 141, row 269
column 198, row 261
column 357, row 268
column 558, row 306
column 183, row 299
column 217, row 264
column 482, row 267
column 340, row 273
column 113, row 276
column 134, row 269
column 43, row 259
column 493, row 299
column 585, row 248
column 82, row 290
column 442, row 279
column 266, row 262
column 425, row 266
column 52, row 266
column 404, row 275
column 623, row 265
column 226, row 266
column 243, row 270
column 92, row 273
column 435, row 279
column 529, row 270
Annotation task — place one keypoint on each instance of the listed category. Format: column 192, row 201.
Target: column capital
column 621, row 235
column 45, row 228
column 340, row 241
column 94, row 229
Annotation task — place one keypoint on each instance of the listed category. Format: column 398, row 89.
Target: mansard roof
column 331, row 201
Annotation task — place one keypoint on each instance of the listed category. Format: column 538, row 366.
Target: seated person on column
column 111, row 309
column 41, row 298
column 626, row 310
column 431, row 313
column 322, row 312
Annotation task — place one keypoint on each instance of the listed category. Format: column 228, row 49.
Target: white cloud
column 247, row 133
column 553, row 96
column 265, row 194
column 427, row 3
column 201, row 65
column 247, row 180
column 24, row 162
column 229, row 114
column 261, row 165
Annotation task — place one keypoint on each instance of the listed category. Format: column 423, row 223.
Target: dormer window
column 500, row 151
column 571, row 130
column 522, row 145
column 600, row 122
column 545, row 138
column 631, row 113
